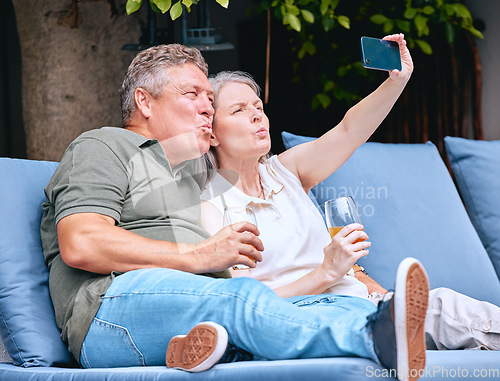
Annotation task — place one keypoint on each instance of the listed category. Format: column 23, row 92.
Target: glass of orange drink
column 340, row 212
column 236, row 214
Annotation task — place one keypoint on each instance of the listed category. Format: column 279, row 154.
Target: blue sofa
column 409, row 206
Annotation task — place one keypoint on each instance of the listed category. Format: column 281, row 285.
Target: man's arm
column 372, row 285
column 92, row 242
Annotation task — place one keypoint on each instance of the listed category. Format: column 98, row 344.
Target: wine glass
column 236, row 214
column 340, row 212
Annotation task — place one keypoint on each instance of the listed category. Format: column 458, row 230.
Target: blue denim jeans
column 143, row 309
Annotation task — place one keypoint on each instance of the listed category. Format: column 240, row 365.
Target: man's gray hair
column 148, row 71
column 224, row 77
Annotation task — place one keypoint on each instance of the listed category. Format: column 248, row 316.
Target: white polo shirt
column 291, row 228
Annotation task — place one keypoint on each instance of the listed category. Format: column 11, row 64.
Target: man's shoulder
column 116, row 139
column 110, row 134
column 99, row 147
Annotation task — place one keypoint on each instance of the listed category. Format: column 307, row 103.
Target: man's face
column 181, row 117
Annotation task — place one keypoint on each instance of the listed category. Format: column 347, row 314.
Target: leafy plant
column 321, row 27
column 417, row 16
column 175, row 8
column 318, row 29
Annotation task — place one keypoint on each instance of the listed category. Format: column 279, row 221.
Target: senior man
column 131, row 267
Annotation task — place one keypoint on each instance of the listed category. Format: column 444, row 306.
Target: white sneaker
column 398, row 325
column 199, row 350
column 411, row 296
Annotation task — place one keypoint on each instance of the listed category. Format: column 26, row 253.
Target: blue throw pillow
column 409, row 206
column 476, row 167
column 27, row 321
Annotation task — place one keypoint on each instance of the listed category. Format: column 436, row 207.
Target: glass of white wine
column 236, row 214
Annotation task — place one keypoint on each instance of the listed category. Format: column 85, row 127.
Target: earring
column 216, row 144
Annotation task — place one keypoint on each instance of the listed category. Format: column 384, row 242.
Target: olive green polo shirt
column 123, row 175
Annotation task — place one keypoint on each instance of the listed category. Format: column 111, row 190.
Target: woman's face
column 240, row 127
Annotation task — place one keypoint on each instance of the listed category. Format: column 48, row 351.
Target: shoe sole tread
column 411, row 315
column 188, row 352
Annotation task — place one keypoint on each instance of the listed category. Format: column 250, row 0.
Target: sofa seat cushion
column 440, row 365
column 340, row 368
column 476, row 167
column 27, row 322
column 409, row 206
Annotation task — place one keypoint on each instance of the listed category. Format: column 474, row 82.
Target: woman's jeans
column 143, row 309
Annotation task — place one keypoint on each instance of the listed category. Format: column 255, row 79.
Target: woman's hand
column 346, row 247
column 406, row 61
column 314, row 161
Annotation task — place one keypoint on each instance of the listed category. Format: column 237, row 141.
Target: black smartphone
column 380, row 54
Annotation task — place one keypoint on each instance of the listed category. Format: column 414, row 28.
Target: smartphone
column 380, row 54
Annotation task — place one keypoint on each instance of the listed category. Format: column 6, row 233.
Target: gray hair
column 219, row 80
column 148, row 71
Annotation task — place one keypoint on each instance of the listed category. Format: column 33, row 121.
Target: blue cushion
column 27, row 322
column 440, row 365
column 476, row 167
column 409, row 206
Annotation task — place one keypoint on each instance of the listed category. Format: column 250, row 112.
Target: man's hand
column 92, row 242
column 235, row 244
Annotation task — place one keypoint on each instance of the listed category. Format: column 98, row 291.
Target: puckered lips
column 262, row 132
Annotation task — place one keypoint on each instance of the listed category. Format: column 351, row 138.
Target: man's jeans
column 143, row 309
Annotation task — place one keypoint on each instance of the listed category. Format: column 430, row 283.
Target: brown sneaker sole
column 417, row 298
column 416, row 291
column 199, row 350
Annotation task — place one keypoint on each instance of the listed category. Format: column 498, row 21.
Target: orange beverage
column 334, row 230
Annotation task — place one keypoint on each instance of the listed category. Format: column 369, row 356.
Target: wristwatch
column 357, row 268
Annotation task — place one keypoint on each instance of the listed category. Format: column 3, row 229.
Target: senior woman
column 299, row 257
column 278, row 186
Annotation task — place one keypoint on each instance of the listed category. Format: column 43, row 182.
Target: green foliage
column 318, row 29
column 297, row 13
column 408, row 16
column 133, row 5
column 423, row 22
column 175, row 8
column 418, row 15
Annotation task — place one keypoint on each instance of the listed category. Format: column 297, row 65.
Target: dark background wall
column 11, row 123
column 489, row 12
